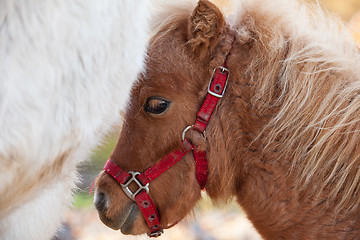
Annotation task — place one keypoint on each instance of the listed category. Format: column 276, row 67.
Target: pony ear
column 205, row 27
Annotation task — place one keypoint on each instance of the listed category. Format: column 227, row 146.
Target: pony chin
column 127, row 221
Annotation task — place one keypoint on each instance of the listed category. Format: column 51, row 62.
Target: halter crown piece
column 216, row 90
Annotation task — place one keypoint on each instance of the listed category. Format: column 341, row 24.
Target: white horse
column 65, row 70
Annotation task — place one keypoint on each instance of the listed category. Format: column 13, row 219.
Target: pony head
column 163, row 102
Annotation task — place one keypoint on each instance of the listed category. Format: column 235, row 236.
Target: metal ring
column 187, row 129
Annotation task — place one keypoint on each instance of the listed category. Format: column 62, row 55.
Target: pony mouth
column 129, row 218
column 124, row 222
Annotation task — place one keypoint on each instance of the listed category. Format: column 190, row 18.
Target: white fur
column 66, row 67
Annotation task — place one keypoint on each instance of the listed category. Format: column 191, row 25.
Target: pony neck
column 248, row 161
column 228, row 153
column 234, row 127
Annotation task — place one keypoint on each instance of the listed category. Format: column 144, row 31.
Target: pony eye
column 156, row 105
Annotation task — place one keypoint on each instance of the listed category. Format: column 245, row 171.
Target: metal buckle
column 157, row 233
column 128, row 192
column 222, row 70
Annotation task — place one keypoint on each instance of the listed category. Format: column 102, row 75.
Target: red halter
column 216, row 90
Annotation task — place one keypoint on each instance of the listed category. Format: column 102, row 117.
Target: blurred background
column 208, row 222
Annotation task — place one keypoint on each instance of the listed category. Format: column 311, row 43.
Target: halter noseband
column 216, row 90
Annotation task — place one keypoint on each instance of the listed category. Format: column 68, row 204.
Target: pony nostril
column 100, row 201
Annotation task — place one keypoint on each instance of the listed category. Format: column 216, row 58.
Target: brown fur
column 283, row 140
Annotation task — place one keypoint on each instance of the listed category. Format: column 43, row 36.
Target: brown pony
column 284, row 140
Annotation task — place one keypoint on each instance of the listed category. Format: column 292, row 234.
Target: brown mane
column 285, row 139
